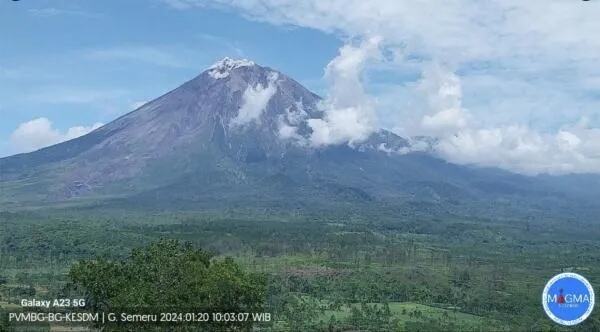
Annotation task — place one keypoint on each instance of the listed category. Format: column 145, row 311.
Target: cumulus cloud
column 444, row 94
column 455, row 30
column 290, row 121
column 525, row 70
column 286, row 131
column 39, row 133
column 349, row 111
column 573, row 149
column 255, row 101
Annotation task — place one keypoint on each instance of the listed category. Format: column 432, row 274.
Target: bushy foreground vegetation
column 168, row 277
column 335, row 272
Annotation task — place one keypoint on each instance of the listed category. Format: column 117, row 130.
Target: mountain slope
column 236, row 136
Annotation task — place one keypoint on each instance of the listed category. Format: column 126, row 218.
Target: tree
column 301, row 312
column 168, row 276
column 372, row 318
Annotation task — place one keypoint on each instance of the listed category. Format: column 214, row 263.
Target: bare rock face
column 238, row 134
column 233, row 114
column 232, row 111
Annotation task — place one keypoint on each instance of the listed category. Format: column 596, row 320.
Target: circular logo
column 568, row 299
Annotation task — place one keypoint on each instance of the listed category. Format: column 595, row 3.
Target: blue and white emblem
column 568, row 299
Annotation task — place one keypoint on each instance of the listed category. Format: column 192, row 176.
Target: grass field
column 408, row 313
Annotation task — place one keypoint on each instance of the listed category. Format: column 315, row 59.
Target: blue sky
column 81, row 62
column 503, row 83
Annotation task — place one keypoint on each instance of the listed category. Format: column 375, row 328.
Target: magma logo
column 568, row 299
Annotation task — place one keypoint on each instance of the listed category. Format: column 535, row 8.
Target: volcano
column 237, row 135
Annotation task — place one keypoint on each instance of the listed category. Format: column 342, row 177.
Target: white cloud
column 287, row 132
column 349, row 111
column 254, row 102
column 444, row 94
column 455, row 30
column 573, row 149
column 289, row 122
column 524, row 70
column 445, row 120
column 439, row 111
column 38, row 133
